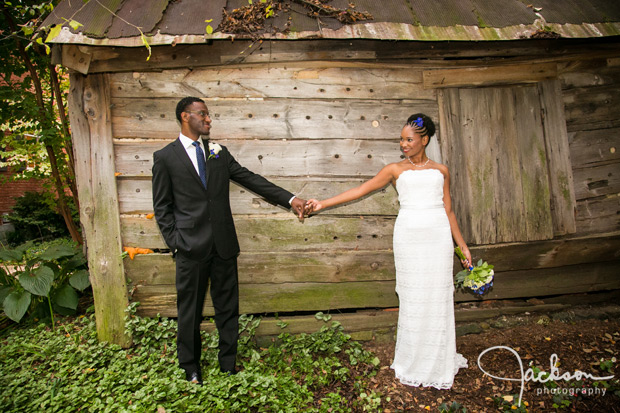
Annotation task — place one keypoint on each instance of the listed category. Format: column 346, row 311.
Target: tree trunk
column 47, row 124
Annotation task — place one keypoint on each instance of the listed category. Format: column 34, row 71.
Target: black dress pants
column 192, row 282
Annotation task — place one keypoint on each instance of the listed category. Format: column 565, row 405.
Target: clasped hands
column 304, row 208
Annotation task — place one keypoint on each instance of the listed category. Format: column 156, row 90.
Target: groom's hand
column 299, row 206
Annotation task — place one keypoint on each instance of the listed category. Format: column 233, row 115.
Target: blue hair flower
column 419, row 122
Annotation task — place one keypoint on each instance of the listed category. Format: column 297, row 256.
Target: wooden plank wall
column 591, row 91
column 318, row 128
column 313, row 128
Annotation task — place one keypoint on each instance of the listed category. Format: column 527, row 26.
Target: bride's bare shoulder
column 441, row 167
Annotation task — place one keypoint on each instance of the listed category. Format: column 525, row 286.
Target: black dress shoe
column 194, row 378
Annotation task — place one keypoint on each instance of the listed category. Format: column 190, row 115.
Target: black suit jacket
column 191, row 218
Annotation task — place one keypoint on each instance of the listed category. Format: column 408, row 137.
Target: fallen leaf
column 133, row 251
column 150, row 216
column 117, row 173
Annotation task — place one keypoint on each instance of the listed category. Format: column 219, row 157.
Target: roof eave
column 369, row 31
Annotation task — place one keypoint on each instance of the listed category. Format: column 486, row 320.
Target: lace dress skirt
column 425, row 353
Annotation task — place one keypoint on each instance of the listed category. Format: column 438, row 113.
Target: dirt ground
column 578, row 344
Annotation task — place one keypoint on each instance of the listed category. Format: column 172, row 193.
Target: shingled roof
column 116, row 22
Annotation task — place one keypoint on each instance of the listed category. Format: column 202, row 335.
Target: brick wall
column 9, row 190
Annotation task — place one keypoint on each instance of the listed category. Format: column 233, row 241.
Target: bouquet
column 479, row 278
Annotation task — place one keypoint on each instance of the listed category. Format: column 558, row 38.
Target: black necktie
column 202, row 164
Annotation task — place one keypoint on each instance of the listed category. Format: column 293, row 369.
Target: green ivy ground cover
column 68, row 370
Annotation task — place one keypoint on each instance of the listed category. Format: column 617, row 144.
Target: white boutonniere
column 214, row 150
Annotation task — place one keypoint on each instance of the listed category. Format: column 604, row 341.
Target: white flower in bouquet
column 479, row 278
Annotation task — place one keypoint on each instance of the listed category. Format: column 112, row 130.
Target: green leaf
column 66, row 297
column 27, row 30
column 57, row 251
column 208, row 21
column 74, row 262
column 4, row 292
column 39, row 281
column 64, row 310
column 16, row 304
column 11, row 255
column 209, row 29
column 74, row 25
column 54, row 32
column 80, row 280
column 147, row 45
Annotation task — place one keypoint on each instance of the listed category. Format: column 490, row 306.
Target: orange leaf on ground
column 150, row 216
column 133, row 251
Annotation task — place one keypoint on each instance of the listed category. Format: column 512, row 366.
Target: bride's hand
column 466, row 263
column 313, row 205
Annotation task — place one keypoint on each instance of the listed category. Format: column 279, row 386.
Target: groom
column 192, row 209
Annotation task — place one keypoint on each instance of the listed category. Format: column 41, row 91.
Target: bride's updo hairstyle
column 422, row 124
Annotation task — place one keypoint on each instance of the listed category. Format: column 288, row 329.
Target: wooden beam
column 282, row 233
column 297, row 264
column 598, row 215
column 296, row 80
column 588, row 108
column 374, row 322
column 74, row 58
column 278, row 158
column 356, row 51
column 277, row 268
column 271, row 298
column 272, row 118
column 489, row 75
column 595, row 147
column 89, row 108
column 561, row 187
column 537, row 269
column 597, row 181
column 136, row 197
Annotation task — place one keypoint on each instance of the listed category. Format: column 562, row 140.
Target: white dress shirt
column 188, row 144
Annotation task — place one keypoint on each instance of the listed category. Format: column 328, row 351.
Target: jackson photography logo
column 542, row 377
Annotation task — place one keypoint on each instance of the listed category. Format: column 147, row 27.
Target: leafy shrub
column 68, row 370
column 42, row 279
column 35, row 218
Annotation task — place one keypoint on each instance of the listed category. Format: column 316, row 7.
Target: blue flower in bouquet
column 479, row 278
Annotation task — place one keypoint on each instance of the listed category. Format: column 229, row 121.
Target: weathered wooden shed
column 526, row 96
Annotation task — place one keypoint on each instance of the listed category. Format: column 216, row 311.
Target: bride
column 425, row 353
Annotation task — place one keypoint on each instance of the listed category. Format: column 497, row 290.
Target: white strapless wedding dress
column 425, row 353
